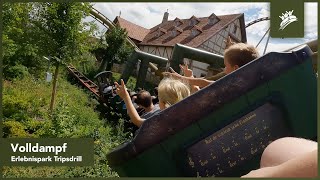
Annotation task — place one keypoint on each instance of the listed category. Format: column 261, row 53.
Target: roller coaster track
column 87, row 83
column 312, row 44
column 257, row 20
column 84, row 81
column 106, row 22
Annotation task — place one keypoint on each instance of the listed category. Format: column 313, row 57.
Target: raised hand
column 186, row 71
column 121, row 90
column 229, row 42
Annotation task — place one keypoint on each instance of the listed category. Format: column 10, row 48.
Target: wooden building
column 206, row 33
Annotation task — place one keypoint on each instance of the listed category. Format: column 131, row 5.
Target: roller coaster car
column 228, row 124
column 105, row 83
column 110, row 98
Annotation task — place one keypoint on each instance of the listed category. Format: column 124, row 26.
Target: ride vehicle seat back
column 223, row 129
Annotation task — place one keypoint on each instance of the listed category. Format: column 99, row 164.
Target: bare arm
column 123, row 93
column 305, row 165
column 201, row 82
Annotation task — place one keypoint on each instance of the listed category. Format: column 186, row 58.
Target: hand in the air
column 121, row 90
column 229, row 42
column 186, row 71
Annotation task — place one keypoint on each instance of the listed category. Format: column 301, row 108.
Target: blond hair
column 171, row 91
column 240, row 54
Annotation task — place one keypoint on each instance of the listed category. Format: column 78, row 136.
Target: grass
column 25, row 109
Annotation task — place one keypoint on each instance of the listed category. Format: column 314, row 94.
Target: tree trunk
column 54, row 88
column 103, row 65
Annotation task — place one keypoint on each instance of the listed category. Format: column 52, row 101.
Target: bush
column 25, row 99
column 14, row 129
column 25, row 107
column 16, row 72
column 87, row 65
column 14, row 107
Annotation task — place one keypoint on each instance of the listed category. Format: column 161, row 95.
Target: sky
column 149, row 15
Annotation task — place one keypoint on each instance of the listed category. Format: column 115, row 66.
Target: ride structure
column 181, row 51
column 84, row 81
column 145, row 59
column 105, row 21
column 230, row 124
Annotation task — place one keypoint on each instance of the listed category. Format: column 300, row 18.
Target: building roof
column 134, row 31
column 188, row 38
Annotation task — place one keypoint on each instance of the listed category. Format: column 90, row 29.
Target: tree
column 64, row 33
column 33, row 30
column 20, row 40
column 113, row 48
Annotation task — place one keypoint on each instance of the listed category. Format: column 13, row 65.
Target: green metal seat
column 223, row 129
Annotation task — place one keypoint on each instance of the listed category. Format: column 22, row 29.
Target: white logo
column 287, row 18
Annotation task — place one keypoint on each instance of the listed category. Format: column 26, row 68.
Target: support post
column 181, row 51
column 54, row 87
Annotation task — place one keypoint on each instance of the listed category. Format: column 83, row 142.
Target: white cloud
column 311, row 21
column 258, row 29
column 278, row 47
column 150, row 14
column 256, row 32
column 260, row 13
column 311, row 14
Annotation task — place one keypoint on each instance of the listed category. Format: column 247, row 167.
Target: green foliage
column 15, row 18
column 87, row 65
column 130, row 84
column 25, row 107
column 20, row 104
column 74, row 120
column 20, row 38
column 16, row 72
column 33, row 30
column 13, row 128
column 113, row 48
column 61, row 22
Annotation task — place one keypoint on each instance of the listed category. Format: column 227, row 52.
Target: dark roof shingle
column 186, row 37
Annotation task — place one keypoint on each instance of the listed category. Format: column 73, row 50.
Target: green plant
column 113, row 48
column 87, row 65
column 12, row 128
column 31, row 31
column 16, row 72
column 74, row 117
